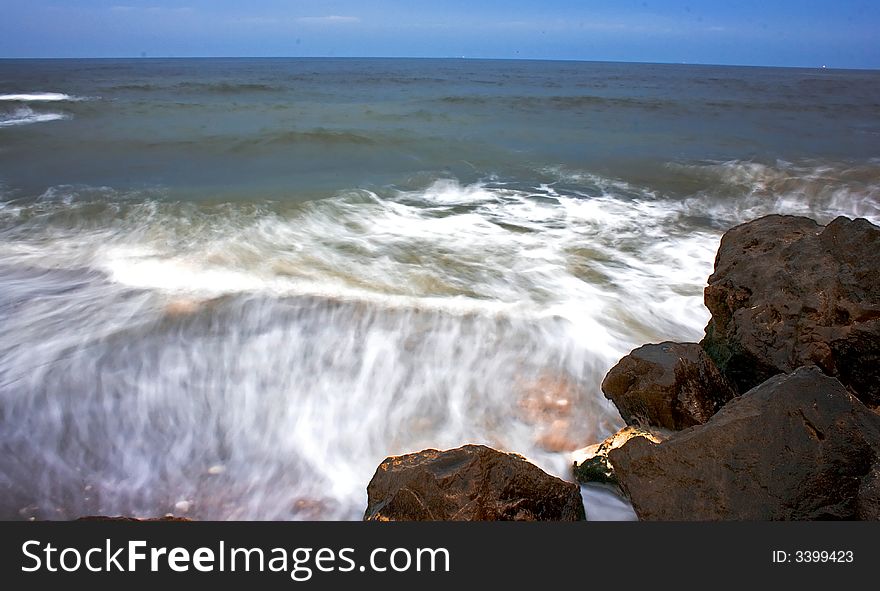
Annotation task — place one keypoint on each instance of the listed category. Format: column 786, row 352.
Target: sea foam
column 25, row 116
column 38, row 97
column 257, row 361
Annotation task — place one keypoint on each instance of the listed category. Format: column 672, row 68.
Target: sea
column 229, row 288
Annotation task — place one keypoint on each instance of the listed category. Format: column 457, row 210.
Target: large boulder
column 797, row 447
column 788, row 292
column 668, row 385
column 470, row 483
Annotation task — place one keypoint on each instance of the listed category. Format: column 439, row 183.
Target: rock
column 470, row 483
column 797, row 447
column 668, row 385
column 788, row 292
column 591, row 465
column 869, row 496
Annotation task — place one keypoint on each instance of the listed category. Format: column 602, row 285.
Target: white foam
column 818, row 190
column 439, row 317
column 38, row 97
column 25, row 116
column 509, row 251
column 603, row 505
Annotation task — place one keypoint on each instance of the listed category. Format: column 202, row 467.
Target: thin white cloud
column 328, row 20
column 258, row 20
column 652, row 26
column 152, row 9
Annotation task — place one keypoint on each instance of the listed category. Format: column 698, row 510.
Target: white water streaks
column 38, row 97
column 258, row 361
column 24, row 114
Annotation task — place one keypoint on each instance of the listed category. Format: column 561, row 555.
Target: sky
column 809, row 33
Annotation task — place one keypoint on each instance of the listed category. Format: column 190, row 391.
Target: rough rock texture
column 470, row 483
column 798, row 447
column 668, row 385
column 788, row 292
column 591, row 465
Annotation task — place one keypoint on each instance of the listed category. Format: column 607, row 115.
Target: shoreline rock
column 590, row 465
column 667, row 385
column 469, row 483
column 772, row 416
column 797, row 447
column 775, row 412
column 787, row 292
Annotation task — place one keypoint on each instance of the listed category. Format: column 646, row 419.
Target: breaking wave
column 258, row 360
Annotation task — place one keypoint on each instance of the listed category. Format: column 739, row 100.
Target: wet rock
column 869, row 496
column 667, row 385
column 787, row 292
column 797, row 447
column 591, row 465
column 470, row 483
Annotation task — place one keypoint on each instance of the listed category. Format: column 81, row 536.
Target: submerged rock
column 787, row 292
column 470, row 483
column 591, row 465
column 797, row 447
column 546, row 404
column 668, row 385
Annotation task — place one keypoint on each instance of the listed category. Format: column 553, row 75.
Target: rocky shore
column 772, row 416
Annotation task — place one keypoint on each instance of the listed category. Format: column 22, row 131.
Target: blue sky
column 836, row 33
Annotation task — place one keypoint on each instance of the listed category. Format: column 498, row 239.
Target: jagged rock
column 668, row 385
column 797, row 447
column 787, row 292
column 470, row 483
column 591, row 465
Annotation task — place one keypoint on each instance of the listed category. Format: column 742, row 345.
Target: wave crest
column 25, row 116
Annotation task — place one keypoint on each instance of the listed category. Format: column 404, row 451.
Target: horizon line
column 473, row 58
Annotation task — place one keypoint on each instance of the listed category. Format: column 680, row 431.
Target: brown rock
column 470, row 483
column 869, row 496
column 787, row 292
column 668, row 385
column 798, row 447
column 591, row 465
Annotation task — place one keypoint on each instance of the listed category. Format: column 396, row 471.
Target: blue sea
column 229, row 288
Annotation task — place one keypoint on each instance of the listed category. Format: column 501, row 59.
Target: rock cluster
column 798, row 446
column 774, row 412
column 773, row 416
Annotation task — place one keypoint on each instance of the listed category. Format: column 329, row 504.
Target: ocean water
column 230, row 288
